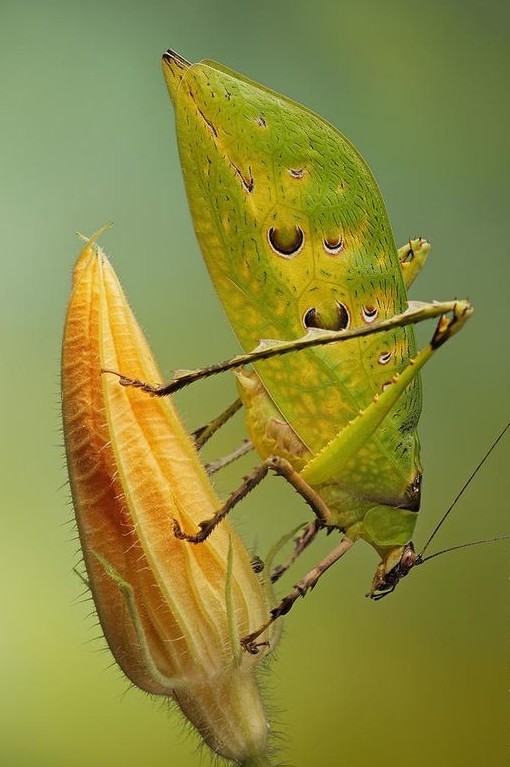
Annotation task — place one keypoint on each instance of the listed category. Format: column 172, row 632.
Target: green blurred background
column 87, row 137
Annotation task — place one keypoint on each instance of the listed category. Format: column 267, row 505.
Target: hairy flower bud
column 173, row 613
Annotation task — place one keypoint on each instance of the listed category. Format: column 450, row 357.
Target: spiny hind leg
column 352, row 437
column 418, row 312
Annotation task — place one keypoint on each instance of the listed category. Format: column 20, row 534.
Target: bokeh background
column 87, row 137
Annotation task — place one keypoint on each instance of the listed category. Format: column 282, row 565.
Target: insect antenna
column 463, row 546
column 420, row 557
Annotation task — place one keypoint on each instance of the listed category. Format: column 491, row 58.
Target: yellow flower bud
column 172, row 612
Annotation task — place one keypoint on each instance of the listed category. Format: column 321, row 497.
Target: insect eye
column 286, row 242
column 333, row 246
column 408, row 558
column 312, row 319
column 369, row 313
column 384, row 358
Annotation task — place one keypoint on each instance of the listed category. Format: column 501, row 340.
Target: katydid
column 297, row 241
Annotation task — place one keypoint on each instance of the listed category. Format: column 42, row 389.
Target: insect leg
column 417, row 312
column 213, row 466
column 279, row 466
column 412, row 257
column 353, row 436
column 307, row 583
column 204, row 433
column 301, row 543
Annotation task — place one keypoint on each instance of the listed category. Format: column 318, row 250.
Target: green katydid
column 297, row 240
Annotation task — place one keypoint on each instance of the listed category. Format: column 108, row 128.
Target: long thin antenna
column 464, row 546
column 459, row 495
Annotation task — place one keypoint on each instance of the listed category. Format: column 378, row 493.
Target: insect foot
column 133, row 382
column 251, row 646
column 448, row 326
column 206, row 527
